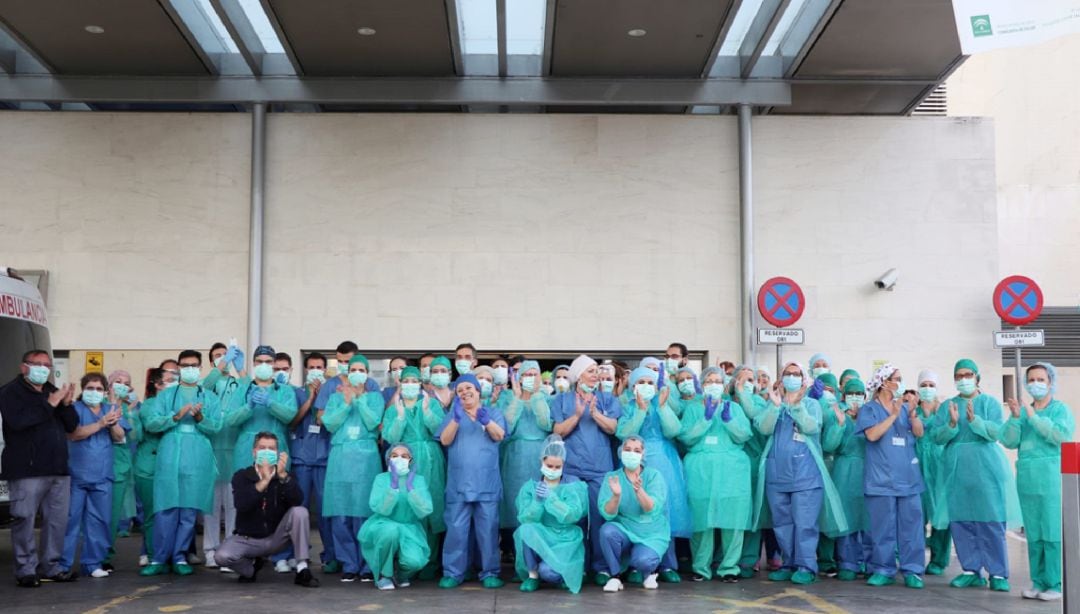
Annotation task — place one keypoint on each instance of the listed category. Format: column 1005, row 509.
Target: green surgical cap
column 441, row 361
column 829, row 380
column 851, row 372
column 359, row 358
column 966, row 363
column 854, row 386
column 408, row 372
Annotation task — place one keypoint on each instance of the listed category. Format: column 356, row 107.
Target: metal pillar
column 746, row 236
column 255, row 246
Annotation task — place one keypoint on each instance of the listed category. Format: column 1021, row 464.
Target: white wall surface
column 512, row 231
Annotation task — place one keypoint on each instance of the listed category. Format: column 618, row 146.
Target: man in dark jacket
column 269, row 515
column 37, row 417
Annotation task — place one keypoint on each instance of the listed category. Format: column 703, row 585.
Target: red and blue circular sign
column 1018, row 300
column 781, row 301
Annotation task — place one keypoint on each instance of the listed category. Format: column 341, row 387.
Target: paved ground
column 210, row 590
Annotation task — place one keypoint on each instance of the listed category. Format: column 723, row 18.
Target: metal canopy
column 697, row 56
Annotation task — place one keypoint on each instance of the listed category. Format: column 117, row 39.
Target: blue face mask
column 630, row 460
column 37, row 374
column 316, row 375
column 1038, row 390
column 966, row 386
column 410, row 390
column 645, row 391
column 399, row 465
column 748, row 388
column 828, row 398
column 854, row 401
column 672, row 365
column 463, row 365
column 121, row 390
column 587, row 389
column 485, row 389
column 501, row 375
column 607, row 385
column 551, row 474
column 687, row 386
column 425, row 374
column 190, row 375
column 927, row 393
column 93, row 397
column 440, row 380
column 714, row 391
column 528, row 383
column 263, row 371
column 268, row 457
column 792, row 383
column 357, row 378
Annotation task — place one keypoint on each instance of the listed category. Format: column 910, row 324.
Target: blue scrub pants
column 594, row 553
column 88, row 516
column 534, row 563
column 615, row 544
column 346, row 531
column 981, row 545
column 897, row 531
column 467, row 521
column 853, row 551
column 174, row 529
column 311, row 479
column 795, row 523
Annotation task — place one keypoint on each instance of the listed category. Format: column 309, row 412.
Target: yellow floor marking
column 138, row 594
column 822, row 606
column 174, row 608
column 369, row 607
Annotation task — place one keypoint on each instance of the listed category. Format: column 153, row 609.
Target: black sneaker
column 108, row 567
column 367, row 577
column 348, row 577
column 730, row 578
column 63, row 576
column 304, row 578
column 698, row 578
column 28, row 581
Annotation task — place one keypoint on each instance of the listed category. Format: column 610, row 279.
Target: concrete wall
column 524, row 232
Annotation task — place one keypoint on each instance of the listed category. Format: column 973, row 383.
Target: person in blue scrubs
column 90, row 460
column 893, row 481
column 471, row 433
column 393, row 378
column 310, row 445
column 344, row 353
column 586, row 418
column 797, row 484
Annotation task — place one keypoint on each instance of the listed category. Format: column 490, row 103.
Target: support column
column 746, row 237
column 255, row 242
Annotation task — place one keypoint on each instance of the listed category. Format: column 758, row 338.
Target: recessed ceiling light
column 94, row 29
column 366, row 31
column 636, row 33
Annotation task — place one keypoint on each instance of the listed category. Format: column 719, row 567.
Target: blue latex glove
column 710, row 409
column 816, row 389
column 230, row 354
column 409, row 481
column 458, row 414
column 393, row 479
column 238, row 360
column 482, row 416
column 260, row 396
column 726, row 414
column 541, row 490
column 660, row 379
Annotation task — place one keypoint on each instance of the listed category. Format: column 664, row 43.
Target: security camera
column 887, row 281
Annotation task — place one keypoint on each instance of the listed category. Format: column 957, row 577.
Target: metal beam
column 761, row 28
column 549, row 38
column 255, row 251
column 746, row 236
column 806, row 33
column 242, row 32
column 718, row 42
column 453, row 22
column 17, row 55
column 280, row 32
column 500, row 25
column 210, row 62
column 513, row 91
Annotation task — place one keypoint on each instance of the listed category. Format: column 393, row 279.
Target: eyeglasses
column 98, row 388
column 187, row 366
column 673, row 356
column 281, row 370
column 265, row 361
column 38, row 364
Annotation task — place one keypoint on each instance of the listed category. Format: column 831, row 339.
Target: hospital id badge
column 797, row 436
column 712, row 440
column 315, row 429
column 187, row 428
column 353, row 432
column 899, row 441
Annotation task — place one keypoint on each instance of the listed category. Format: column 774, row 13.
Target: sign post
column 1018, row 300
column 1070, row 524
column 781, row 302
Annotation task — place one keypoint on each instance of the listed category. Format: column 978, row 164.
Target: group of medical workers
column 589, row 473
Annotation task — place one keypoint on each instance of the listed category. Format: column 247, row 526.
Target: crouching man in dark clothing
column 269, row 515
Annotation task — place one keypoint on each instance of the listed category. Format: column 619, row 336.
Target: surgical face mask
column 713, row 391
column 440, row 380
column 170, row 384
column 425, row 374
column 37, row 374
column 528, row 383
column 121, row 390
column 966, row 385
column 410, row 390
column 899, row 392
column 190, row 375
column 587, row 389
column 686, row 386
column 502, row 375
column 485, row 389
column 727, row 379
column 1038, row 390
column 395, row 376
column 263, row 371
column 607, row 385
column 645, row 391
column 748, row 388
column 93, row 397
column 281, row 377
column 357, row 378
column 927, row 393
column 792, row 383
column 854, row 401
column 672, row 365
column 549, row 473
column 828, row 398
column 819, row 371
column 268, row 457
column 548, row 389
column 217, row 361
column 316, row 375
column 562, row 384
column 630, row 460
column 399, row 465
column 463, row 365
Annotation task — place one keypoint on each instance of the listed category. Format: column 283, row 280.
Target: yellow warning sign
column 95, row 362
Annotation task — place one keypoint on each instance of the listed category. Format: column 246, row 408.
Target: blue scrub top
column 90, row 460
column 308, row 448
column 790, row 466
column 388, row 393
column 473, row 461
column 588, row 447
column 892, row 467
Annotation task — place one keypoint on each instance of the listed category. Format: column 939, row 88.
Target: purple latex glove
column 726, row 414
column 710, row 409
column 483, row 417
column 458, row 414
column 816, row 389
column 409, row 480
column 541, row 490
column 393, row 479
column 660, row 378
